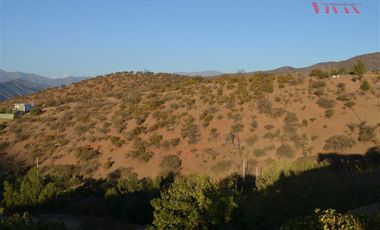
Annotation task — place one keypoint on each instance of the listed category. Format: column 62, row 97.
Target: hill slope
column 133, row 120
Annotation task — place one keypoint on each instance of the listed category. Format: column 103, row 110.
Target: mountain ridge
column 371, row 60
column 19, row 83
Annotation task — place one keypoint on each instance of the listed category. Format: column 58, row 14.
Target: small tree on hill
column 318, row 73
column 190, row 131
column 367, row 133
column 359, row 68
column 365, row 85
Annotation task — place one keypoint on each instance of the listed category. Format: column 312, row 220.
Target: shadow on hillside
column 346, row 182
column 10, row 168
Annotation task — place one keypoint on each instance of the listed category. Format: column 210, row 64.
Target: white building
column 23, row 107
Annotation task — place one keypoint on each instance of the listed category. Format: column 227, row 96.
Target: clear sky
column 91, row 37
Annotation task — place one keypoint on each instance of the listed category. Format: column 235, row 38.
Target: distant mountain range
column 371, row 61
column 208, row 73
column 18, row 83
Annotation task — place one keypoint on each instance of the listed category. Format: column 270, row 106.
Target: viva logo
column 336, row 8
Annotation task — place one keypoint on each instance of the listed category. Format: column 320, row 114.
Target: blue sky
column 91, row 37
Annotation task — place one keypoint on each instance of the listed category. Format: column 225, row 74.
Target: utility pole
column 329, row 71
column 244, row 168
column 37, row 164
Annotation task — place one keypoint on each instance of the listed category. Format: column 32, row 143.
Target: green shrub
column 128, row 181
column 36, row 110
column 317, row 84
column 117, row 141
column 3, row 126
column 190, row 131
column 359, row 68
column 237, row 128
column 31, row 190
column 81, row 129
column 221, row 166
column 341, row 87
column 290, row 126
column 329, row 113
column 108, row 164
column 325, row 219
column 271, row 136
column 140, row 151
column 339, row 143
column 24, row 222
column 277, row 112
column 264, row 106
column 4, row 146
column 367, row 133
column 170, row 164
column 155, row 140
column 365, row 86
column 85, row 154
column 259, row 152
column 284, row 79
column 347, row 99
column 285, row 150
column 318, row 73
column 352, row 126
column 326, row 103
column 251, row 140
column 253, row 124
column 174, row 142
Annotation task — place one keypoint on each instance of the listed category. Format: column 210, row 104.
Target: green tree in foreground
column 30, row 190
column 323, row 220
column 192, row 202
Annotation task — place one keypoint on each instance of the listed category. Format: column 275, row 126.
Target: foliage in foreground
column 23, row 222
column 192, row 203
column 30, row 190
column 325, row 219
column 342, row 182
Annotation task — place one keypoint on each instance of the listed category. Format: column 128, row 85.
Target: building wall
column 8, row 116
column 23, row 107
column 27, row 107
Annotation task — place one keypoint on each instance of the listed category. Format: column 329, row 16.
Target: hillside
column 133, row 120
